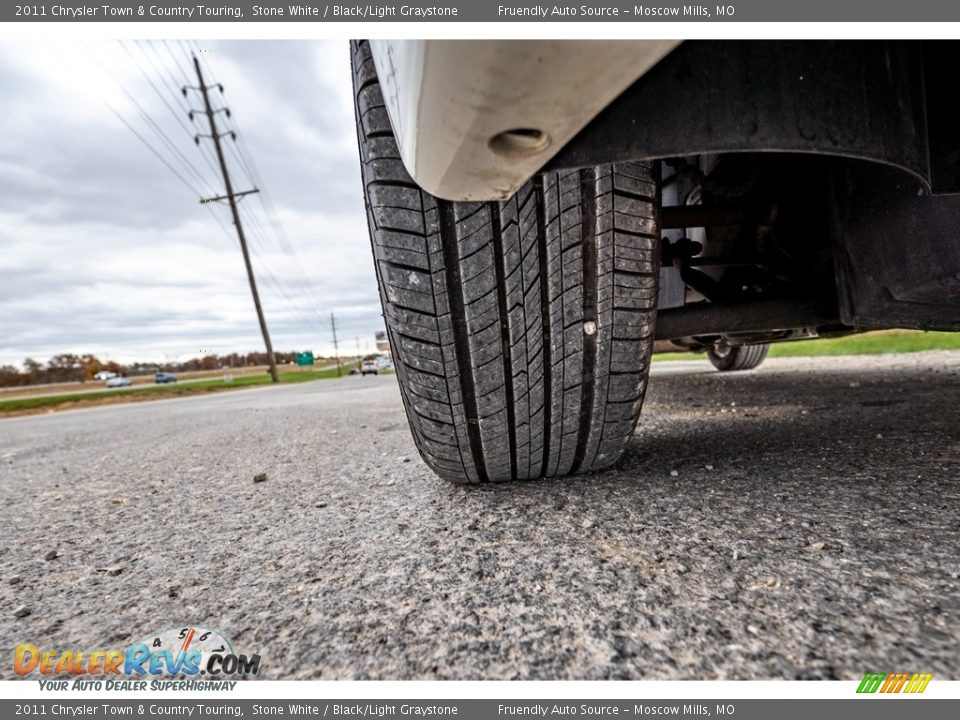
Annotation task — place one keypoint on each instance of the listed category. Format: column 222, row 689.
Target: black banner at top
column 483, row 11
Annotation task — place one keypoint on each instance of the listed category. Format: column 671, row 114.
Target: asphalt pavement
column 797, row 521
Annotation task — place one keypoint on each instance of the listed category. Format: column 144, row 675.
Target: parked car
column 724, row 356
column 541, row 212
column 369, row 367
column 164, row 377
column 118, row 381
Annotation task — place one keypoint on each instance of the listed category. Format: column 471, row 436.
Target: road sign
column 305, row 358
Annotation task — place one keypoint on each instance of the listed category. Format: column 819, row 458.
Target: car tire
column 737, row 357
column 521, row 330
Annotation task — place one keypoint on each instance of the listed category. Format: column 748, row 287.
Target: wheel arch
column 879, row 101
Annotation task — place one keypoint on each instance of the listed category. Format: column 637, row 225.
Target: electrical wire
column 276, row 255
column 258, row 239
column 184, row 110
column 153, row 150
column 155, row 127
column 156, row 153
column 241, row 152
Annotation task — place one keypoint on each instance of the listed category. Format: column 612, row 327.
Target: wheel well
column 810, row 187
column 746, row 251
column 869, row 100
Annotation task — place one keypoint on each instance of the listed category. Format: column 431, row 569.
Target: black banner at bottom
column 873, row 707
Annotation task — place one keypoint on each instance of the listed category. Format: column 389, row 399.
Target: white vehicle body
column 115, row 382
column 453, row 104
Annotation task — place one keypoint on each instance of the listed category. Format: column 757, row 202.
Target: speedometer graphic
column 178, row 641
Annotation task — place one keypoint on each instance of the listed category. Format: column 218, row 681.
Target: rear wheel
column 728, row 358
column 521, row 330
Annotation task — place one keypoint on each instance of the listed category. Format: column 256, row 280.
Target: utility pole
column 359, row 357
column 231, row 197
column 336, row 349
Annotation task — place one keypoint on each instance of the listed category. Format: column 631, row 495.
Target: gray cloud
column 103, row 249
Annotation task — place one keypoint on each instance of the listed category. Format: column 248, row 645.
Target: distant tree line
column 68, row 367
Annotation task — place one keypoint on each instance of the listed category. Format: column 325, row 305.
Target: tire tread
column 486, row 304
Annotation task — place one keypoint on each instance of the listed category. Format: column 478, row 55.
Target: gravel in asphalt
column 797, row 521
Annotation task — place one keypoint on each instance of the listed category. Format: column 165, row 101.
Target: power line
column 176, row 64
column 284, row 257
column 198, row 194
column 187, row 53
column 245, row 157
column 153, row 125
column 162, row 159
column 180, row 103
column 174, row 85
column 282, row 290
column 263, row 243
column 277, row 232
column 177, row 99
column 146, row 75
column 154, row 151
column 232, row 199
column 241, row 151
column 163, row 99
column 158, row 62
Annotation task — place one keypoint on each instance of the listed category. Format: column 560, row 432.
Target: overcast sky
column 104, row 250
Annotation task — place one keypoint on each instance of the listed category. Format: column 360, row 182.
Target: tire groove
column 605, row 403
column 461, row 342
column 401, row 231
column 541, row 221
column 588, row 221
column 382, row 182
column 500, row 270
column 406, row 267
column 634, row 196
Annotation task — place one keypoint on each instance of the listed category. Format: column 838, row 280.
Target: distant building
column 383, row 344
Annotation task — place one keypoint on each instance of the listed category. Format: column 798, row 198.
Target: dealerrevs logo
column 184, row 651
